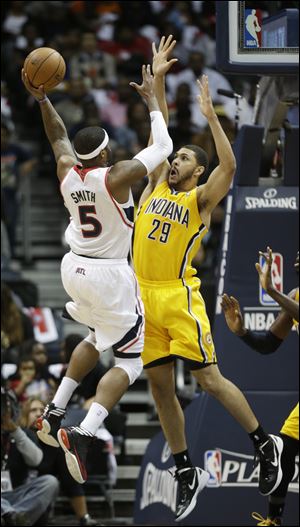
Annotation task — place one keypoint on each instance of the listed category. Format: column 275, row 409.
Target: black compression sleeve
column 262, row 341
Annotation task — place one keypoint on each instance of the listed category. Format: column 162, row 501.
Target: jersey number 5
column 164, row 233
column 86, row 215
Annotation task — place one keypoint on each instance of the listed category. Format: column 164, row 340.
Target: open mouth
column 173, row 172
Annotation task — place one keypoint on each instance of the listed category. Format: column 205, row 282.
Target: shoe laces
column 264, row 521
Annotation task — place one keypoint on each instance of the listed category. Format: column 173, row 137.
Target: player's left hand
column 160, row 63
column 37, row 93
column 204, row 99
column 265, row 273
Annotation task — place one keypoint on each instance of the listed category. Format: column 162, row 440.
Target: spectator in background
column 129, row 49
column 16, row 327
column 23, row 502
column 53, row 462
column 93, row 64
column 26, row 383
column 71, row 108
column 38, row 352
column 15, row 163
column 29, row 39
column 15, row 18
column 195, row 69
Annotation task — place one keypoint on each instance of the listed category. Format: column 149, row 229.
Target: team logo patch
column 208, row 339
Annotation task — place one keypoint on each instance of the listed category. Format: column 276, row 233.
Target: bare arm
column 265, row 276
column 55, row 130
column 160, row 67
column 218, row 184
column 124, row 173
column 235, row 322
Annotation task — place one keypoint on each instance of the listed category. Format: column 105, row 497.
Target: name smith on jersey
column 169, row 209
column 83, row 195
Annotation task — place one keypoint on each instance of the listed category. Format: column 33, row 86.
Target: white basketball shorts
column 106, row 298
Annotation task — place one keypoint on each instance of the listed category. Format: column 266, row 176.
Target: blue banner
column 217, row 443
column 255, row 218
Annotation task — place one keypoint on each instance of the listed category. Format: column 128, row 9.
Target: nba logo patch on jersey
column 213, row 465
column 277, row 277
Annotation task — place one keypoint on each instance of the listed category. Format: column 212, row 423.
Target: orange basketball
column 45, row 66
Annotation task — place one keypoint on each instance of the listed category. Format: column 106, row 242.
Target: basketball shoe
column 49, row 423
column 190, row 483
column 268, row 456
column 75, row 442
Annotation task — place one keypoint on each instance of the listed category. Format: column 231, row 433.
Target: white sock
column 94, row 418
column 64, row 392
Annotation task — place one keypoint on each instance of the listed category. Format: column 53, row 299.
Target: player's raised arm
column 265, row 276
column 160, row 67
column 54, row 128
column 124, row 173
column 219, row 181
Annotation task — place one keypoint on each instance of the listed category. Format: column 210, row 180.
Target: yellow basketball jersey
column 167, row 235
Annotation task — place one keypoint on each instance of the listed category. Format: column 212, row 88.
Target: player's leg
column 268, row 448
column 228, row 394
column 191, row 480
column 119, row 323
column 290, row 436
column 162, row 383
column 75, row 441
column 83, row 360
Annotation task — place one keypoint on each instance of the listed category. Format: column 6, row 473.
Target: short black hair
column 201, row 156
column 88, row 139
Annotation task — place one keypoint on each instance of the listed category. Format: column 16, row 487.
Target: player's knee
column 211, row 385
column 133, row 367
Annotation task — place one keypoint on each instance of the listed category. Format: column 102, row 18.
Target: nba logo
column 213, row 465
column 277, row 278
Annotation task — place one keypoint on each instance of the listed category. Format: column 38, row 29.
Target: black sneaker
column 190, row 483
column 49, row 423
column 75, row 442
column 268, row 456
column 87, row 520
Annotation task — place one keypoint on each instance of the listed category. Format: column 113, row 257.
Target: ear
column 199, row 171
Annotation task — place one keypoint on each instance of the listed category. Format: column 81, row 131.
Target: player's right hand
column 233, row 315
column 37, row 93
column 160, row 63
column 146, row 89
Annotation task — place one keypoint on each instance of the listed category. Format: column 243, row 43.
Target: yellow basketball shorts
column 176, row 323
column 291, row 424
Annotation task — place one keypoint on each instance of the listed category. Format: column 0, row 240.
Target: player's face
column 297, row 263
column 183, row 166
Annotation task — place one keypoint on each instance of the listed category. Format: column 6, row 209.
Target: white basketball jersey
column 100, row 227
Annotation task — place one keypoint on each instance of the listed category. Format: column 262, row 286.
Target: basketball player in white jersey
column 95, row 273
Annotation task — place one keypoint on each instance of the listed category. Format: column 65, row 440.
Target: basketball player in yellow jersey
column 173, row 217
column 268, row 342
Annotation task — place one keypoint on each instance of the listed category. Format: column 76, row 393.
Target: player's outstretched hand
column 233, row 315
column 37, row 93
column 160, row 63
column 204, row 98
column 265, row 272
column 146, row 89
